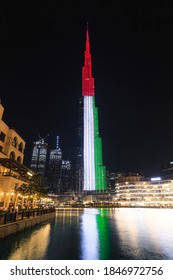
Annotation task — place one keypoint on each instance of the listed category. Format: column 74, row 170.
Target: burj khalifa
column 93, row 168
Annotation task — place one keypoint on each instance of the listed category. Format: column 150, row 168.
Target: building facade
column 78, row 162
column 65, row 176
column 54, row 169
column 39, row 157
column 140, row 191
column 13, row 173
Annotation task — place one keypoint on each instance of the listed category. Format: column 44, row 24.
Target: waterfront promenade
column 95, row 234
column 12, row 222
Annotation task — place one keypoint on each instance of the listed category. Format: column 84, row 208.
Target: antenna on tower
column 38, row 134
column 41, row 138
column 45, row 136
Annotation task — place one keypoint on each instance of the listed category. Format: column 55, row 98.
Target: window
column 2, row 136
column 12, row 155
column 14, row 142
column 19, row 159
column 21, row 147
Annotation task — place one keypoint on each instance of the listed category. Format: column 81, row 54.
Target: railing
column 10, row 217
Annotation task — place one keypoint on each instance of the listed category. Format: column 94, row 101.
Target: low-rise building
column 144, row 192
column 12, row 171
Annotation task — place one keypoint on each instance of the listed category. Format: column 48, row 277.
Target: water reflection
column 104, row 233
column 96, row 235
column 33, row 247
column 65, row 235
column 145, row 233
column 91, row 234
column 127, row 234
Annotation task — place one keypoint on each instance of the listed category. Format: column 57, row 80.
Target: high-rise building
column 54, row 169
column 78, row 182
column 39, row 155
column 65, row 176
column 94, row 170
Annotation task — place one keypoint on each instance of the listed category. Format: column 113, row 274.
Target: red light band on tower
column 87, row 79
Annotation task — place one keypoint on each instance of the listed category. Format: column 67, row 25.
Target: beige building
column 12, row 171
column 139, row 191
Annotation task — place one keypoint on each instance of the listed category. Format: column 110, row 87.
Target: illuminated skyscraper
column 39, row 154
column 54, row 169
column 94, row 170
column 65, row 175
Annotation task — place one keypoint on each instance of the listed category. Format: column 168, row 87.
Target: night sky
column 41, row 56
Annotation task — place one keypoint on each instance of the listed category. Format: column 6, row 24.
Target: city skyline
column 40, row 81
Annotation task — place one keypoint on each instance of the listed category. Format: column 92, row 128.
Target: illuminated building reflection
column 142, row 231
column 89, row 235
column 33, row 247
column 95, row 234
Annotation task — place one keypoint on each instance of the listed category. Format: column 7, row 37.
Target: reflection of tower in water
column 98, row 235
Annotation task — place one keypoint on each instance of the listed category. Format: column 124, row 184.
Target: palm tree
column 33, row 190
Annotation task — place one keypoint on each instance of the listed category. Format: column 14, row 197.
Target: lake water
column 95, row 234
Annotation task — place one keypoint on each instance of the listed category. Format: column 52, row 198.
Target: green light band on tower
column 100, row 169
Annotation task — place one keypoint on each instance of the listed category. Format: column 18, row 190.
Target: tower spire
column 87, row 79
column 87, row 42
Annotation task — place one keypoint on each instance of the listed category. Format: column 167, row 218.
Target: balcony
column 15, row 169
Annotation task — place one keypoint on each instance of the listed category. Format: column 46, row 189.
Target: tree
column 33, row 188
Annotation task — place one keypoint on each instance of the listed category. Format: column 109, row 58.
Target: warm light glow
column 29, row 173
column 33, row 246
column 145, row 226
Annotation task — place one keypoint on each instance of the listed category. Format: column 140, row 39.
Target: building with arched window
column 12, row 171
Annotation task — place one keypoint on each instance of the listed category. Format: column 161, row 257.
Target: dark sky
column 41, row 56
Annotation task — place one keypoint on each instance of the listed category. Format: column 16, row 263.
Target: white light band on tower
column 89, row 163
